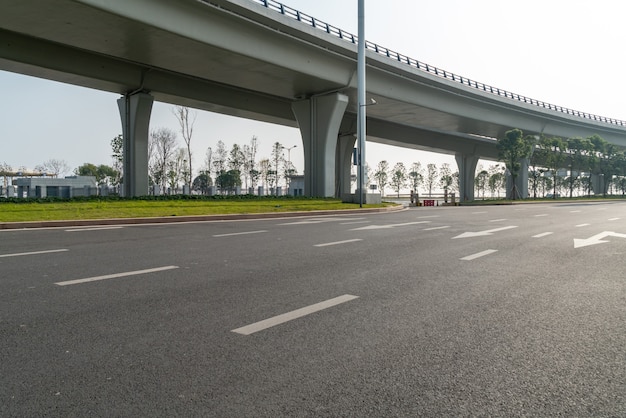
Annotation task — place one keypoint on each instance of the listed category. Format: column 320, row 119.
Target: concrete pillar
column 135, row 112
column 319, row 119
column 345, row 148
column 11, row 191
column 521, row 182
column 260, row 191
column 467, row 173
column 186, row 189
column 598, row 184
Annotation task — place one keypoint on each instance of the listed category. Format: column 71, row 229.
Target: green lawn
column 106, row 209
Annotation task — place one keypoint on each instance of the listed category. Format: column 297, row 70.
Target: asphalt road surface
column 446, row 311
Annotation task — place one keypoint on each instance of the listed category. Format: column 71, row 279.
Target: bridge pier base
column 319, row 119
column 135, row 110
column 521, row 182
column 467, row 173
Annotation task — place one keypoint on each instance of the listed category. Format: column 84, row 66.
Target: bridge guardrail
column 341, row 34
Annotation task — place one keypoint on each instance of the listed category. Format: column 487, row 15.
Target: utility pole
column 361, row 101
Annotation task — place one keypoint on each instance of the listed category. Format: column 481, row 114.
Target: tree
column 101, row 172
column 202, row 183
column 186, row 130
column 229, row 180
column 480, row 182
column 278, row 157
column 553, row 152
column 431, row 178
column 54, row 166
column 381, row 175
column 249, row 169
column 398, row 177
column 416, row 176
column 236, row 160
column 445, row 176
column 497, row 179
column 163, row 141
column 511, row 150
column 117, row 152
column 264, row 170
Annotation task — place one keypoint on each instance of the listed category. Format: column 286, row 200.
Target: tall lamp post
column 361, row 100
column 289, row 162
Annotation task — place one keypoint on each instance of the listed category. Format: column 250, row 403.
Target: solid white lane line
column 478, row 255
column 581, row 225
column 298, row 313
column 115, row 276
column 338, row 242
column 545, row 234
column 33, row 253
column 100, row 228
column 238, row 233
column 437, row 227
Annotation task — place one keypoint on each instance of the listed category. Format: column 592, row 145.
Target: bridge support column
column 598, row 184
column 521, row 182
column 467, row 173
column 345, row 147
column 135, row 110
column 319, row 119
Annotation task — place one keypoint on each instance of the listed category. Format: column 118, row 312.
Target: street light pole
column 289, row 163
column 361, row 100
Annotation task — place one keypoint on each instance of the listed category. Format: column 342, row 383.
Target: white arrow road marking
column 483, row 233
column 388, row 226
column 596, row 239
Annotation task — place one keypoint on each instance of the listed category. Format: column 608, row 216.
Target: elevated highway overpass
column 261, row 60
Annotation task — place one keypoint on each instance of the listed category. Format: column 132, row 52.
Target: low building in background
column 41, row 187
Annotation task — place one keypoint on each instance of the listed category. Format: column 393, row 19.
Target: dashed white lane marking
column 337, row 242
column 545, row 234
column 542, row 214
column 353, row 223
column 289, row 316
column 238, row 233
column 581, row 225
column 429, row 216
column 614, row 219
column 575, row 211
column 478, row 213
column 497, row 220
column 437, row 227
column 34, row 253
column 363, row 228
column 101, row 228
column 478, row 255
column 115, row 276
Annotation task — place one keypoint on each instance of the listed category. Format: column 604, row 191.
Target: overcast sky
column 566, row 52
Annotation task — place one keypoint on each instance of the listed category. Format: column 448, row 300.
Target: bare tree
column 164, row 145
column 381, row 175
column 54, row 166
column 398, row 177
column 431, row 178
column 278, row 157
column 186, row 129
